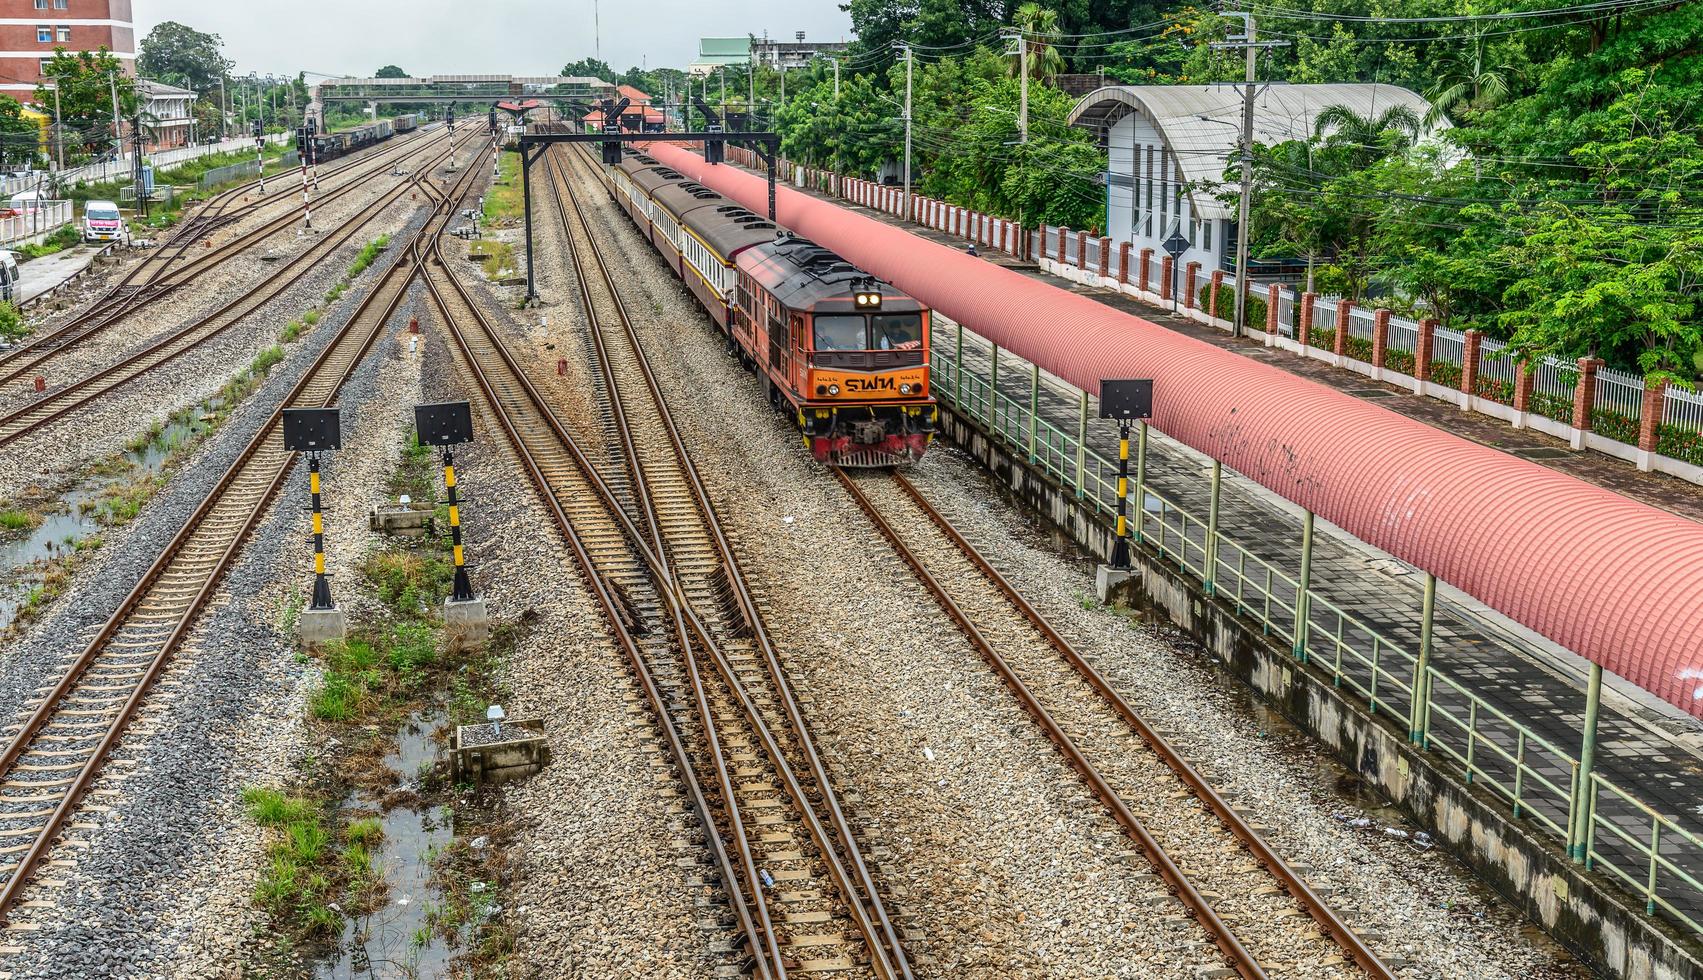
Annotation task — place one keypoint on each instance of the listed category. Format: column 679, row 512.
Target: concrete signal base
column 1114, row 586
column 468, row 622
column 317, row 627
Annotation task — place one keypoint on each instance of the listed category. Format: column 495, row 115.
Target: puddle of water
column 74, row 513
column 396, row 942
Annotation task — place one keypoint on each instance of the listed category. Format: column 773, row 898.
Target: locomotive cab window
column 841, row 332
column 897, row 331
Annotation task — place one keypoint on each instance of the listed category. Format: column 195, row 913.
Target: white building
column 1168, row 146
column 170, row 112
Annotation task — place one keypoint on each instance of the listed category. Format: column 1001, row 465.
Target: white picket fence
column 95, row 173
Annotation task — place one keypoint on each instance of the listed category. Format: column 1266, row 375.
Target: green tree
column 589, row 68
column 1369, row 138
column 20, row 137
column 1469, row 77
column 1038, row 28
column 85, row 95
column 183, row 56
column 391, row 71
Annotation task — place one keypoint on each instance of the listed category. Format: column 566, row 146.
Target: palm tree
column 1038, row 28
column 1368, row 138
column 1466, row 79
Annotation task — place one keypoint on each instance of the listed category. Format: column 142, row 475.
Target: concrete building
column 792, row 54
column 720, row 52
column 169, row 112
column 31, row 29
column 1168, row 147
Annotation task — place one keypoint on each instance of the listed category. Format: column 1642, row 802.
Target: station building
column 31, row 29
column 1168, row 147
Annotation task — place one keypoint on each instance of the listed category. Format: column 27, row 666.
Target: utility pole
column 1250, row 48
column 909, row 63
column 117, row 127
column 136, row 164
column 836, row 78
column 58, row 125
column 1022, row 53
column 224, row 109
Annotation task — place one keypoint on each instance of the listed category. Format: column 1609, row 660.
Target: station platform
column 1519, row 689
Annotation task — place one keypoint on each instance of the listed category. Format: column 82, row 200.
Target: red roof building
column 30, row 30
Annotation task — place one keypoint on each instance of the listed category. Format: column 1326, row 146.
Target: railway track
column 153, row 277
column 58, row 402
column 1258, row 911
column 54, row 754
column 799, row 898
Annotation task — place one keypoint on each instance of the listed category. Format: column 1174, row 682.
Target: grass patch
column 496, row 258
column 504, row 202
column 12, row 519
column 368, row 255
column 308, row 877
column 59, row 241
column 291, row 331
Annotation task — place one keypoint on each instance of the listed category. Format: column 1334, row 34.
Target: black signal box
column 1126, row 400
column 444, row 423
column 312, row 430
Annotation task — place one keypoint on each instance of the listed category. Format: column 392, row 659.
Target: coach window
column 897, row 331
column 841, row 332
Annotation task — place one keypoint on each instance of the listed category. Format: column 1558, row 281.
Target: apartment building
column 31, row 29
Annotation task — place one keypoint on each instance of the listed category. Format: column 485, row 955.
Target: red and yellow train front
column 863, row 384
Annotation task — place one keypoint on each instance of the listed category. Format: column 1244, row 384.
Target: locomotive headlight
column 868, row 300
column 904, row 389
column 833, row 389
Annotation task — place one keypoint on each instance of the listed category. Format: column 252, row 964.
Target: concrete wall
column 1586, row 912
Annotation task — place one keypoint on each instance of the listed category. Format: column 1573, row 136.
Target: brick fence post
column 1167, row 270
column 1123, row 262
column 1524, row 381
column 1063, row 233
column 1470, row 345
column 1082, row 250
column 1422, row 346
column 1217, row 285
column 1380, row 338
column 1273, row 295
column 1146, row 266
column 1304, row 332
column 1584, row 398
column 1190, row 272
column 1344, row 310
column 1105, row 256
column 1650, row 421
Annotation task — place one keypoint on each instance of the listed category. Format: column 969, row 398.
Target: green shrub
column 1446, row 373
column 1680, row 443
column 12, row 326
column 1610, row 423
column 16, row 520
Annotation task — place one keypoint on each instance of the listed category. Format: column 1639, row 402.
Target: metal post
column 1420, row 689
column 1579, row 831
column 1209, row 572
column 1034, row 406
column 526, row 199
column 1239, row 326
column 321, row 586
column 836, row 78
column 58, row 125
column 463, row 590
column 1303, row 587
column 958, row 371
column 1140, row 478
column 117, row 127
column 1120, row 546
column 1081, row 444
column 909, row 62
column 993, row 392
column 1022, row 87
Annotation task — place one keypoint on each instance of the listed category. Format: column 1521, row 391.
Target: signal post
column 449, row 424
column 1127, row 402
column 313, row 431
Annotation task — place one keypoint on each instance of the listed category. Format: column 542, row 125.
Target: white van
column 102, row 222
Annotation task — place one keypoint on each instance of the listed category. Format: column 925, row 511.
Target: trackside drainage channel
column 377, row 863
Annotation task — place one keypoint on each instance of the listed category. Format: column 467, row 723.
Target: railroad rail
column 152, row 278
column 726, row 754
column 1084, row 716
column 57, row 402
column 54, row 755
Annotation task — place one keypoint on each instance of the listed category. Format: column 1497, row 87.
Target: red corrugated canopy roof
column 1614, row 580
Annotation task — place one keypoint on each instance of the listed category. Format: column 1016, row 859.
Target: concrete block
column 468, row 622
column 1113, row 586
column 317, row 627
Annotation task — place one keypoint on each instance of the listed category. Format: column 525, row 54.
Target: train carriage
column 710, row 245
column 646, row 183
column 631, row 198
column 670, row 206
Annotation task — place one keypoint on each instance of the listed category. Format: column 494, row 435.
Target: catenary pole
column 909, row 62
column 1023, row 86
column 1250, row 47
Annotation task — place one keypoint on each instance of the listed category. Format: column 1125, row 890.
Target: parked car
column 103, row 223
column 21, row 204
column 9, row 276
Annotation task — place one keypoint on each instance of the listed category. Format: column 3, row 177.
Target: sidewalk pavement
column 42, row 275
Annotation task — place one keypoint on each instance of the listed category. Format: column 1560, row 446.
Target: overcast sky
column 455, row 37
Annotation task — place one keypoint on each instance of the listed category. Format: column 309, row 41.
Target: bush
column 1399, row 360
column 1680, row 443
column 1557, row 407
column 1610, row 423
column 1446, row 373
column 12, row 326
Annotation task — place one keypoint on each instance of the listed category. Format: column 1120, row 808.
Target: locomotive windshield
column 843, row 332
column 897, row 331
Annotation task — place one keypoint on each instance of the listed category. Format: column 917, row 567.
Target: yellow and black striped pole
column 463, row 588
column 1120, row 547
column 321, row 585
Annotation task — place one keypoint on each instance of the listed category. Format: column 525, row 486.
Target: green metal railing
column 1538, row 780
